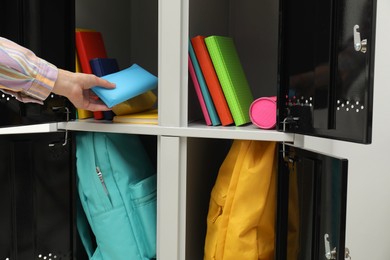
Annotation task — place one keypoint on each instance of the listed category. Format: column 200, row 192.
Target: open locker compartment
column 310, row 202
column 205, row 156
column 312, row 198
column 97, row 230
column 253, row 25
column 326, row 67
column 129, row 29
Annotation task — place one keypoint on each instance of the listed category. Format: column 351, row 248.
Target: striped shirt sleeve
column 23, row 74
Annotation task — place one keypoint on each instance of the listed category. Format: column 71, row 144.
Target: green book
column 231, row 76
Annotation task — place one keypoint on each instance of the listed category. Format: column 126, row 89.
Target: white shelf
column 196, row 130
column 109, row 127
column 30, row 129
column 249, row 132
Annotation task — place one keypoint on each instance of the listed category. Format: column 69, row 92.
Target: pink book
column 198, row 92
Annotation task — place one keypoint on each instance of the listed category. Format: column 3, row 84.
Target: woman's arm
column 31, row 79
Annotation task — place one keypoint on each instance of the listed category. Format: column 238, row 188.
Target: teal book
column 231, row 76
column 203, row 87
column 130, row 82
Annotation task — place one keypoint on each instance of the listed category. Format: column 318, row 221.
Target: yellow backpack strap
column 241, row 219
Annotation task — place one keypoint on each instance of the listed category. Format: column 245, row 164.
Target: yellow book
column 146, row 117
column 142, row 102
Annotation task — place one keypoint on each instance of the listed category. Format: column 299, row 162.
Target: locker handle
column 333, row 254
column 360, row 45
column 329, row 254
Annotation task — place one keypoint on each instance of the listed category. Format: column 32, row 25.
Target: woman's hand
column 77, row 88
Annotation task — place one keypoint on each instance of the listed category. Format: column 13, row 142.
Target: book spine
column 212, row 80
column 81, row 52
column 99, row 115
column 98, row 69
column 198, row 92
column 226, row 63
column 203, row 87
column 83, row 47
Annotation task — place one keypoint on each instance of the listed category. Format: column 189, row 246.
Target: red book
column 212, row 80
column 90, row 45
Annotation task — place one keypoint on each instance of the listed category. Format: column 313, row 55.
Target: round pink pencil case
column 263, row 112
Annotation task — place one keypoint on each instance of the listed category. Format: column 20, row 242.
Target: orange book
column 212, row 80
column 90, row 45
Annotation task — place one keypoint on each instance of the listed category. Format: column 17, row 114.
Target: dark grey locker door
column 47, row 28
column 311, row 206
column 37, row 217
column 326, row 65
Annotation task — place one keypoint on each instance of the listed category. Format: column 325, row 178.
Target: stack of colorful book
column 90, row 45
column 91, row 58
column 219, row 80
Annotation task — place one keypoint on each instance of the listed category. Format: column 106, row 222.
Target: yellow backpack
column 242, row 210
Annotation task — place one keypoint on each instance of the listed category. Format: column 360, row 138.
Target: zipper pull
column 100, row 175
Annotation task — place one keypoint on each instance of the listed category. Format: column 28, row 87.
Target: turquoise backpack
column 117, row 189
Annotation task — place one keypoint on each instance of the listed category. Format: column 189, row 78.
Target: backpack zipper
column 100, row 175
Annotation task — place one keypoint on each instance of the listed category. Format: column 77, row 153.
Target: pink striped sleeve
column 23, row 74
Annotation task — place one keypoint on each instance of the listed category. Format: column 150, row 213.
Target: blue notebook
column 130, row 82
column 203, row 87
column 104, row 66
column 101, row 67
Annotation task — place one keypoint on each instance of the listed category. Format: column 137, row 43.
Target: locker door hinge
column 287, row 120
column 332, row 254
column 66, row 138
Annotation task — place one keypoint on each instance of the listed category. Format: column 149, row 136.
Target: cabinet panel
column 311, row 206
column 326, row 79
column 36, row 197
column 46, row 27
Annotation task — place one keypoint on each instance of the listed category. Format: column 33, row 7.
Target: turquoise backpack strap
column 83, row 214
column 83, row 228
